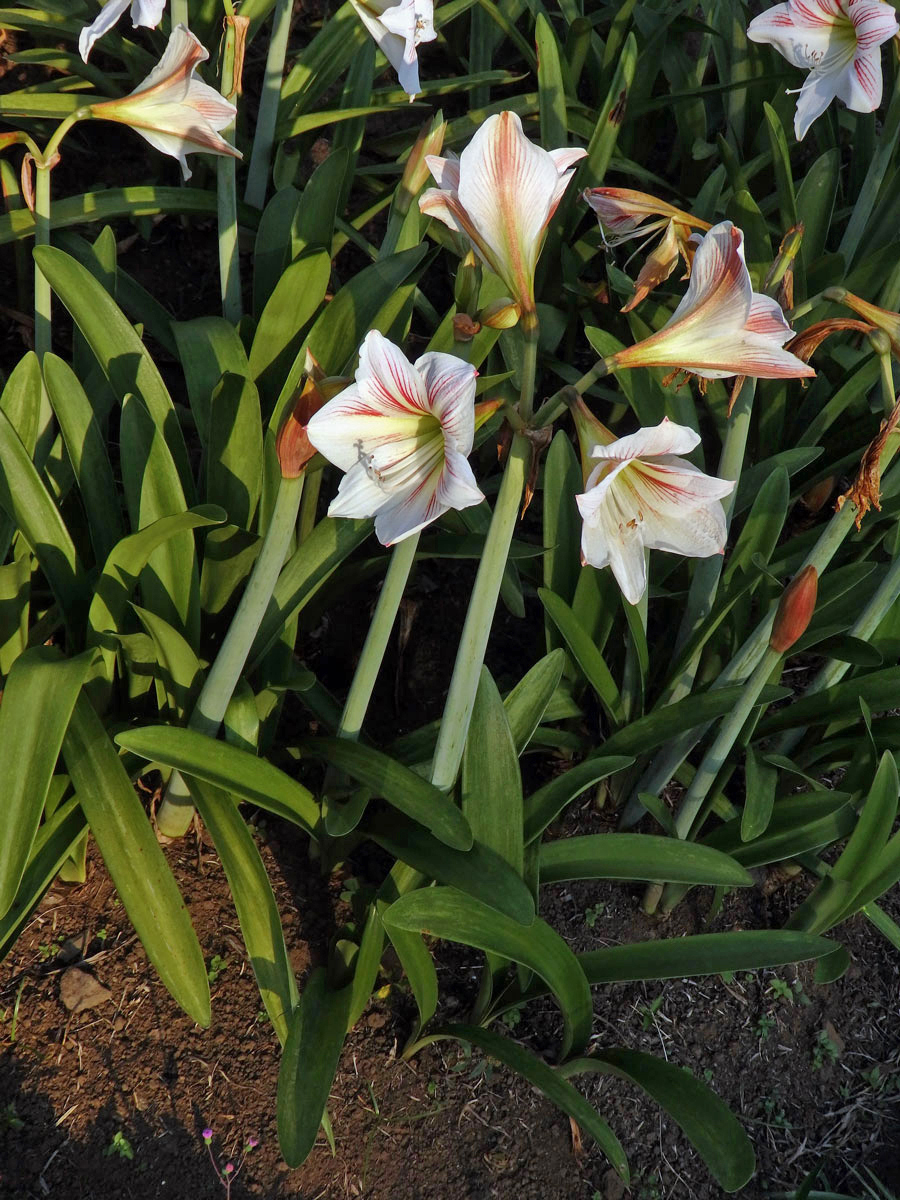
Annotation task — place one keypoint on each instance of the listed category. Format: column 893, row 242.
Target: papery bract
column 175, row 112
column 721, row 327
column 398, row 29
column 838, row 41
column 640, row 494
column 401, row 432
column 501, row 195
column 623, row 213
column 147, row 13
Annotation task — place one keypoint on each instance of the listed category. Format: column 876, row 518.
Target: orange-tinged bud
column 464, row 328
column 292, row 445
column 795, row 610
column 591, row 432
column 430, row 141
column 485, row 409
column 500, row 314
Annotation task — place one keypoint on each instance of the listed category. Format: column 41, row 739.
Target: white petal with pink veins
column 666, row 438
column 450, row 385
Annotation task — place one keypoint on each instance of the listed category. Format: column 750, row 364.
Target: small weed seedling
column 217, row 965
column 648, row 1012
column 593, row 914
column 120, row 1145
column 10, row 1119
column 764, row 1026
column 825, row 1051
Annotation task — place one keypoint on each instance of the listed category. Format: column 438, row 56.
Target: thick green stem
column 477, row 627
column 264, row 135
column 528, row 369
column 42, row 325
column 179, row 12
column 402, row 558
column 226, row 192
column 175, row 812
column 556, row 405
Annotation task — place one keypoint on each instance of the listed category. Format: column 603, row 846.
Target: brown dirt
column 446, row 1125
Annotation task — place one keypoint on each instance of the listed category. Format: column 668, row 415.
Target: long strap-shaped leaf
column 254, row 901
column 38, row 699
column 547, row 1080
column 447, row 913
column 135, row 861
column 638, row 856
column 309, row 1064
column 707, row 1122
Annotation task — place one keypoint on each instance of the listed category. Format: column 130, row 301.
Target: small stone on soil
column 79, row 990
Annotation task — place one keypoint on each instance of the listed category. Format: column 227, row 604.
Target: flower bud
column 795, row 610
column 468, row 284
column 500, row 314
column 416, row 173
column 292, row 445
column 591, row 432
column 464, row 328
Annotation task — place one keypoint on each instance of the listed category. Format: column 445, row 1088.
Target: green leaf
column 308, row 1065
column 781, row 160
column 86, row 448
column 551, row 1083
column 527, row 703
column 708, row 1124
column 664, row 724
column 400, row 787
column 798, row 824
column 124, row 359
column 235, row 771
column 638, row 856
column 880, row 690
column 764, row 524
column 290, row 307
column 562, row 524
column 418, row 967
column 177, row 667
column 815, row 202
column 235, row 449
column 551, row 88
column 28, row 504
column 208, row 347
column 586, row 655
column 830, row 968
column 446, row 913
column 480, row 872
column 254, row 902
column 135, row 861
column 760, row 779
column 612, row 114
column 15, row 606
column 272, row 250
column 490, row 783
column 20, row 399
column 38, row 697
column 545, row 805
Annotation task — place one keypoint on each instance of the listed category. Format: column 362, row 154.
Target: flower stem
column 528, row 368
column 176, row 810
column 226, row 192
column 556, row 405
column 477, row 627
column 179, row 13
column 370, row 660
column 264, row 135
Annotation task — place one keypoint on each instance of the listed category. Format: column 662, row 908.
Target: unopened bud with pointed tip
column 795, row 610
column 591, row 432
column 500, row 314
column 292, row 445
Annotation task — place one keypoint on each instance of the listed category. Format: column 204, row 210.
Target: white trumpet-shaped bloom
column 174, row 111
column 143, row 12
column 402, row 433
column 641, row 495
column 398, row 29
column 721, row 327
column 501, row 195
column 838, row 41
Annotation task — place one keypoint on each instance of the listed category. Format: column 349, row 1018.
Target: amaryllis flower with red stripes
column 721, row 327
column 402, row 433
column 838, row 42
column 174, row 111
column 640, row 495
column 501, row 195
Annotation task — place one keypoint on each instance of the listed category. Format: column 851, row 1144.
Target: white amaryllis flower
column 175, row 112
column 402, row 433
column 721, row 327
column 639, row 494
column 501, row 195
column 838, row 41
column 398, row 29
column 143, row 12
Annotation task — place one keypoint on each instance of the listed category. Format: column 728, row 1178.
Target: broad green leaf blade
column 418, row 966
column 527, row 702
column 708, row 1123
column 798, row 824
column 553, row 1085
column 664, row 724
column 638, row 856
column 880, row 690
column 760, row 779
column 400, row 787
column 235, row 452
column 28, row 504
column 135, row 861
column 551, row 88
column 490, row 782
column 236, row 771
column 479, row 872
column 120, row 352
column 178, row 670
column 293, row 303
column 55, row 840
column 308, row 1065
column 586, row 654
column 38, row 697
column 254, row 902
column 545, row 805
column 562, row 524
column 209, row 347
column 446, row 913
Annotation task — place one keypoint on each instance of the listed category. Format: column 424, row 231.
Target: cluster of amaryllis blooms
column 402, row 432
